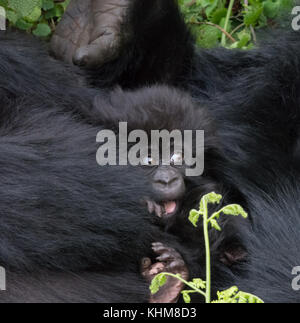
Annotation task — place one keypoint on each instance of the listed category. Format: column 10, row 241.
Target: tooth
column 150, row 207
column 158, row 210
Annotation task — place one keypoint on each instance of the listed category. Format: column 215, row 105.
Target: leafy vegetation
column 232, row 295
column 231, row 23
column 36, row 16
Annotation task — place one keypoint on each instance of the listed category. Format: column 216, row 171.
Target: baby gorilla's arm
column 89, row 33
column 169, row 260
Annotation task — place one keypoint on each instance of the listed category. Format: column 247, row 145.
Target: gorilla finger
column 159, row 249
column 99, row 52
column 157, row 244
column 165, row 257
column 176, row 265
column 146, row 263
column 71, row 32
column 157, row 268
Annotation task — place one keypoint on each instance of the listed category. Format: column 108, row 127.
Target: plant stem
column 216, row 26
column 207, row 251
column 185, row 282
column 237, row 28
column 223, row 41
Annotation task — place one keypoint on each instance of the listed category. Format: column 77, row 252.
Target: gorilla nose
column 169, row 184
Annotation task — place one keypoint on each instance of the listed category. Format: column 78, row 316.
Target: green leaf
column 186, row 297
column 286, row 5
column 244, row 38
column 65, row 4
column 3, row 3
column 199, row 283
column 271, row 8
column 222, row 24
column 210, row 6
column 249, row 298
column 57, row 11
column 208, row 36
column 12, row 16
column 235, row 210
column 194, row 217
column 23, row 25
column 158, row 282
column 215, row 224
column 34, row 15
column 47, row 4
column 252, row 15
column 213, row 198
column 262, row 21
column 42, row 30
column 233, row 295
column 218, row 15
column 24, row 7
column 228, row 294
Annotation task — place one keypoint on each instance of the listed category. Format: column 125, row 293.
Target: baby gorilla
column 162, row 109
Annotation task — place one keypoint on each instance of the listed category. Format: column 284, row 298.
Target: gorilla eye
column 148, row 161
column 177, row 159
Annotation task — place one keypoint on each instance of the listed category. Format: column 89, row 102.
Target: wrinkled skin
column 89, row 33
column 168, row 260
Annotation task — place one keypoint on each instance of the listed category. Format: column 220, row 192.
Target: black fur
column 71, row 230
column 254, row 98
column 68, row 226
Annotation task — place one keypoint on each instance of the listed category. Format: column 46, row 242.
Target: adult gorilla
column 68, row 227
column 254, row 97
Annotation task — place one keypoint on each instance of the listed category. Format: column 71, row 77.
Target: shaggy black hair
column 73, row 231
column 253, row 97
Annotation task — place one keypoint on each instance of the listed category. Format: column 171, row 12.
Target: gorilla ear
column 233, row 254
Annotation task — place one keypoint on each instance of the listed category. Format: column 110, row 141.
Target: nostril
column 167, row 181
column 173, row 180
column 160, row 183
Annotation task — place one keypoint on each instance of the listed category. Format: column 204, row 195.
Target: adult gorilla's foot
column 169, row 260
column 89, row 33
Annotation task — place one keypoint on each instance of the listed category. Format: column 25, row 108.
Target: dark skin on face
column 168, row 183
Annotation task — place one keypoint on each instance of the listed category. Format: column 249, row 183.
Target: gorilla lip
column 163, row 209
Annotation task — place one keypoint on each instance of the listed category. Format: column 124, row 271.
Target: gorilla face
column 161, row 109
column 169, row 186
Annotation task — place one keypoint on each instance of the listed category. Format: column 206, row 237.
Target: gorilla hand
column 89, row 33
column 169, row 260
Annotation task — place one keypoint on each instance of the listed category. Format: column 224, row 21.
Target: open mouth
column 163, row 209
